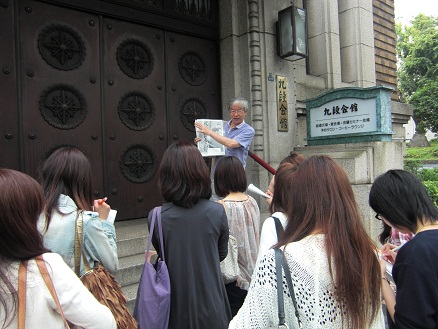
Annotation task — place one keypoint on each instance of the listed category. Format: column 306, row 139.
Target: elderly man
column 238, row 134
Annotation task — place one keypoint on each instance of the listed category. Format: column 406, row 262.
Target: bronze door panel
column 192, row 83
column 119, row 91
column 60, row 84
column 9, row 129
column 135, row 114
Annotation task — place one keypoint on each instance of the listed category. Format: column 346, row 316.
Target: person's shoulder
column 89, row 217
column 311, row 242
column 253, row 201
column 212, row 208
column 66, row 204
column 247, row 126
column 53, row 258
column 268, row 222
column 281, row 216
column 210, row 204
column 423, row 244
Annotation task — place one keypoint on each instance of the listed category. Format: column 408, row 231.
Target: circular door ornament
column 192, row 109
column 138, row 163
column 61, row 47
column 192, row 69
column 63, row 106
column 136, row 111
column 135, row 59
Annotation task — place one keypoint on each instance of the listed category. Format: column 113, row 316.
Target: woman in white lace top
column 243, row 216
column 335, row 272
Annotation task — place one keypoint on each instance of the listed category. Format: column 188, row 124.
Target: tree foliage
column 417, row 52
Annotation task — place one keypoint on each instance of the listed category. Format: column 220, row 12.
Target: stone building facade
column 350, row 44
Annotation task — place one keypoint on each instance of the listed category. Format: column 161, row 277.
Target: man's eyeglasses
column 378, row 216
column 238, row 111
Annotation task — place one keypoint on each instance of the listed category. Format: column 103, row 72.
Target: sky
column 405, row 10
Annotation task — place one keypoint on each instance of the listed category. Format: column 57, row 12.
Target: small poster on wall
column 207, row 145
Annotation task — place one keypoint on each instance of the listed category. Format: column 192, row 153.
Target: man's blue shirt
column 243, row 134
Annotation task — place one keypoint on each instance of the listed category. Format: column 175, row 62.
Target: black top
column 195, row 241
column 415, row 273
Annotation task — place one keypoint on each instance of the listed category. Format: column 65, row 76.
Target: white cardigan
column 78, row 304
column 313, row 286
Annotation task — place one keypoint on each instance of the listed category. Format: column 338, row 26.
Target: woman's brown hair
column 282, row 186
column 67, row 171
column 21, row 202
column 183, row 176
column 321, row 200
column 229, row 176
column 293, row 158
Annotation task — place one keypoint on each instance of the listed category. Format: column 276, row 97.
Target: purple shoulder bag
column 152, row 307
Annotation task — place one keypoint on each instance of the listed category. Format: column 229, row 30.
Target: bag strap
column 48, row 280
column 78, row 246
column 22, row 278
column 77, row 249
column 281, row 315
column 156, row 215
column 279, row 256
column 278, row 227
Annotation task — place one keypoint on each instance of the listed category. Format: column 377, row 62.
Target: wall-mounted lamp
column 292, row 33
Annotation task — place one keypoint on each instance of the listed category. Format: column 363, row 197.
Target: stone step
column 125, row 229
column 128, row 247
column 130, row 268
column 130, row 292
column 132, row 238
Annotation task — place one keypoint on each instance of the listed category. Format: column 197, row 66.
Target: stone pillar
column 356, row 41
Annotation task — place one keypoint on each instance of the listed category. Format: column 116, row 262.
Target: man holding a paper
column 238, row 134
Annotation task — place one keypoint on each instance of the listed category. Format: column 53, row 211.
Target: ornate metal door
column 9, row 128
column 120, row 91
column 60, row 84
column 134, row 108
column 192, row 83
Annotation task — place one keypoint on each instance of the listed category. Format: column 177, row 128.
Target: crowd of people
column 338, row 278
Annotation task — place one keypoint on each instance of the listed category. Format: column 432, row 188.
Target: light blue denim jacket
column 99, row 236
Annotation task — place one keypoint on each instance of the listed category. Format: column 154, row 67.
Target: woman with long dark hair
column 195, row 232
column 68, row 188
column 335, row 272
column 21, row 202
column 401, row 202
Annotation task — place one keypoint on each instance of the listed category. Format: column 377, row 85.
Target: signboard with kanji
column 344, row 116
column 349, row 115
column 282, row 117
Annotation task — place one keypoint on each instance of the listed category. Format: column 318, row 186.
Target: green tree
column 417, row 52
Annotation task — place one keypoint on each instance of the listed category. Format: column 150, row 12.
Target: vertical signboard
column 282, row 115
